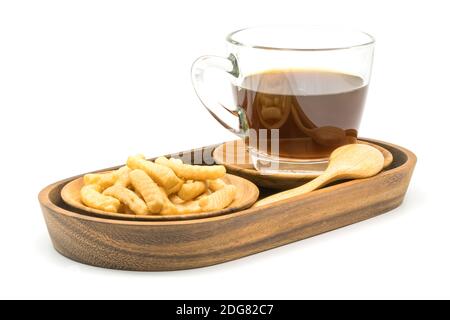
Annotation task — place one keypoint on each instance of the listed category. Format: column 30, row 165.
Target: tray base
column 175, row 245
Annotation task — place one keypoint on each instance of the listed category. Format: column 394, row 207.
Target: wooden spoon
column 353, row 161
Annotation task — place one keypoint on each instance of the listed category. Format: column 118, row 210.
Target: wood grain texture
column 246, row 195
column 235, row 157
column 175, row 245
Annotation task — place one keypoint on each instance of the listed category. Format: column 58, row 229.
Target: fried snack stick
column 216, row 184
column 203, row 195
column 148, row 189
column 129, row 198
column 219, row 199
column 184, row 208
column 103, row 180
column 91, row 197
column 175, row 199
column 123, row 177
column 125, row 209
column 191, row 190
column 190, row 172
column 163, row 176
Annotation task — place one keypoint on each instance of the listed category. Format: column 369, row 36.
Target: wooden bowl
column 175, row 245
column 246, row 195
column 225, row 154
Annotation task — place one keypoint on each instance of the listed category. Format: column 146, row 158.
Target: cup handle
column 237, row 123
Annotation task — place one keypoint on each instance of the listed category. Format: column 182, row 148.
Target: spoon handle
column 312, row 185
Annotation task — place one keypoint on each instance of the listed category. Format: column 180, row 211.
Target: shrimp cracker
column 92, row 197
column 123, row 177
column 192, row 172
column 191, row 190
column 148, row 189
column 183, row 208
column 162, row 175
column 103, row 180
column 216, row 184
column 128, row 198
column 219, row 199
column 175, row 199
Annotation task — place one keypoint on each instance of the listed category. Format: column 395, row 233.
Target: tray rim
column 44, row 198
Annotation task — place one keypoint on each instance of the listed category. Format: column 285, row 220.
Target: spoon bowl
column 355, row 161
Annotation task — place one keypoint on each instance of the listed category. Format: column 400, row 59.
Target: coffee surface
column 315, row 111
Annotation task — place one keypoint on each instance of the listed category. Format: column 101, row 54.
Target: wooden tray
column 175, row 245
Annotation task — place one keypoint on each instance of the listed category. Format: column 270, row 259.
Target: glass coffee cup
column 294, row 94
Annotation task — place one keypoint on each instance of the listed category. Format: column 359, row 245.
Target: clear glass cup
column 293, row 93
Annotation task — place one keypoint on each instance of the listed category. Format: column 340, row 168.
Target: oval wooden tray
column 175, row 245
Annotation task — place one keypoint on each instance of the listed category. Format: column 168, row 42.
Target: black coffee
column 314, row 110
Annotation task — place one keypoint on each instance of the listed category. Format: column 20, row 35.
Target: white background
column 84, row 84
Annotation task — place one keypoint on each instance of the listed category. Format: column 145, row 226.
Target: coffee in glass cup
column 299, row 92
